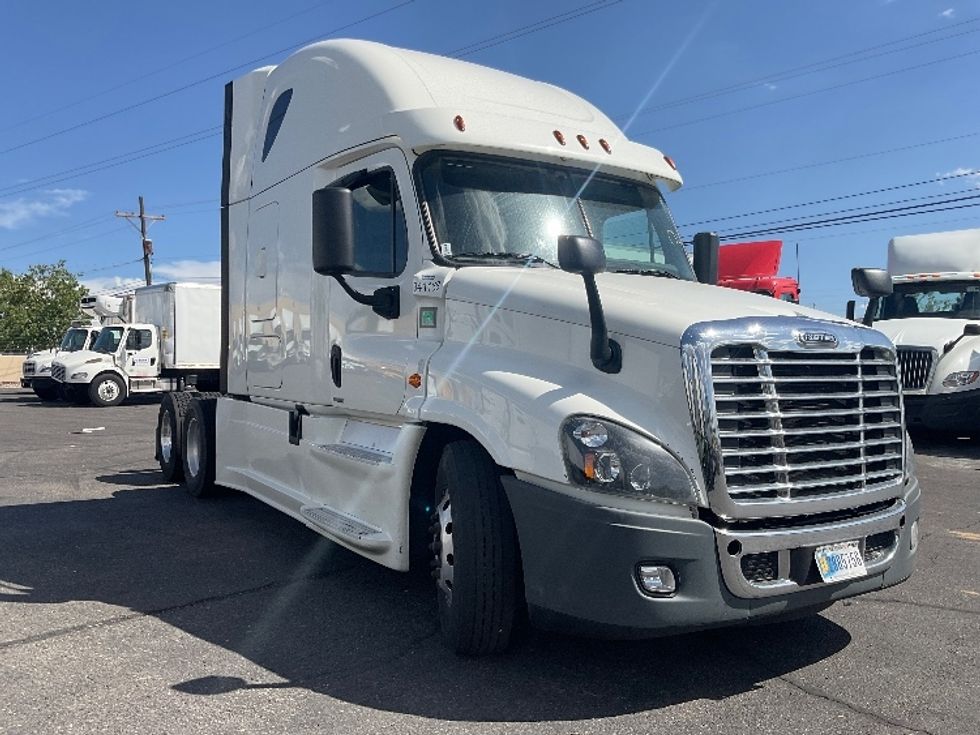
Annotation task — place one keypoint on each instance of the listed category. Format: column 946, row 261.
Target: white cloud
column 51, row 203
column 109, row 284
column 968, row 175
column 948, row 13
column 188, row 270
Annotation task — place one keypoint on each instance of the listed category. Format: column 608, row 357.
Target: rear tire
column 107, row 389
column 477, row 567
column 197, row 446
column 47, row 392
column 170, row 422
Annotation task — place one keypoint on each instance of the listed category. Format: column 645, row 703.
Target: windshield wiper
column 513, row 257
column 662, row 272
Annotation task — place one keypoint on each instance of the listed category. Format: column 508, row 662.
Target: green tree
column 37, row 306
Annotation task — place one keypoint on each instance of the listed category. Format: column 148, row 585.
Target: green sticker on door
column 427, row 317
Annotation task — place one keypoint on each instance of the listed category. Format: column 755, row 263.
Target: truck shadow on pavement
column 239, row 575
column 945, row 445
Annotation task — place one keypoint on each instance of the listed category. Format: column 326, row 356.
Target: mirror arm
column 869, row 312
column 384, row 301
column 606, row 353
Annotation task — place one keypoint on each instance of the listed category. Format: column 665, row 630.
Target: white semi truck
column 931, row 311
column 36, row 369
column 172, row 340
column 460, row 330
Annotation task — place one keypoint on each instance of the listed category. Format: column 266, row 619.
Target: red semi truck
column 752, row 266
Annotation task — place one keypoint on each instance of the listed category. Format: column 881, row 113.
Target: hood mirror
column 585, row 256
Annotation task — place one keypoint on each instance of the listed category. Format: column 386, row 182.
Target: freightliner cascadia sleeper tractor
column 460, row 330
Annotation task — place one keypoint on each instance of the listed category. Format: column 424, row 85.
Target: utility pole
column 147, row 243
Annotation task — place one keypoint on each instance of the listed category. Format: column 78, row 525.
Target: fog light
column 656, row 579
column 914, row 536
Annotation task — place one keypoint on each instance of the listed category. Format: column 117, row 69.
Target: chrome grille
column 916, row 367
column 29, row 367
column 58, row 372
column 798, row 424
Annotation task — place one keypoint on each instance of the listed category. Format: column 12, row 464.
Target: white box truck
column 931, row 311
column 460, row 330
column 36, row 369
column 172, row 340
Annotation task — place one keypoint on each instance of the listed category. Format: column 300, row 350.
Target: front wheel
column 107, row 389
column 47, row 392
column 476, row 564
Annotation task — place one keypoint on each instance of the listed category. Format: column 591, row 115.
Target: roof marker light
column 460, row 123
column 582, row 141
column 670, row 162
column 605, row 145
column 560, row 137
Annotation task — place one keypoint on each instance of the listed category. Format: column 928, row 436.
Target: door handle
column 335, row 358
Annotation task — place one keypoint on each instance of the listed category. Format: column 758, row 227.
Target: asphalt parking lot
column 127, row 606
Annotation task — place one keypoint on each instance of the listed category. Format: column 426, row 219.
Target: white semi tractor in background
column 99, row 310
column 459, row 330
column 171, row 339
column 930, row 309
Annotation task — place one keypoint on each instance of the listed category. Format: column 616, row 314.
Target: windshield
column 108, row 340
column 73, row 340
column 935, row 299
column 496, row 209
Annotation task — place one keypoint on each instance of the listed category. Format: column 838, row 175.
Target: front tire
column 107, row 389
column 170, row 421
column 197, row 446
column 476, row 559
column 47, row 392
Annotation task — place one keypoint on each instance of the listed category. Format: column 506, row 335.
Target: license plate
column 841, row 561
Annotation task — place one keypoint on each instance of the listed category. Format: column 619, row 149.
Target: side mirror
column 849, row 313
column 871, row 282
column 586, row 257
column 581, row 255
column 706, row 257
column 333, row 231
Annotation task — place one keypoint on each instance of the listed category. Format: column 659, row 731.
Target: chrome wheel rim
column 108, row 390
column 193, row 449
column 442, row 545
column 166, row 438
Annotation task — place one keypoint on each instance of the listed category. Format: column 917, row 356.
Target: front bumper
column 944, row 411
column 37, row 381
column 580, row 560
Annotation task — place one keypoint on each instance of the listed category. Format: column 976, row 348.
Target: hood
column 645, row 307
column 43, row 355
column 72, row 360
column 922, row 332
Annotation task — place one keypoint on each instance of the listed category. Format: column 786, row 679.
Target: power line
column 852, row 195
column 190, row 85
column 790, row 98
column 166, row 67
column 111, row 162
column 85, row 273
column 823, row 65
column 526, row 30
column 818, row 164
column 57, row 233
column 66, row 245
column 909, row 211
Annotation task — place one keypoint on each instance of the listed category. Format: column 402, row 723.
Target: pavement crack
column 924, row 605
column 856, row 709
column 117, row 619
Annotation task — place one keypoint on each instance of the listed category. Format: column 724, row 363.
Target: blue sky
column 80, row 76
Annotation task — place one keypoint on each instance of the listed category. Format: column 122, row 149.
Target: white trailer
column 172, row 341
column 933, row 316
column 416, row 363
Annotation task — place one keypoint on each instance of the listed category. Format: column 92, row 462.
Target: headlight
column 608, row 458
column 958, row 380
column 79, row 376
